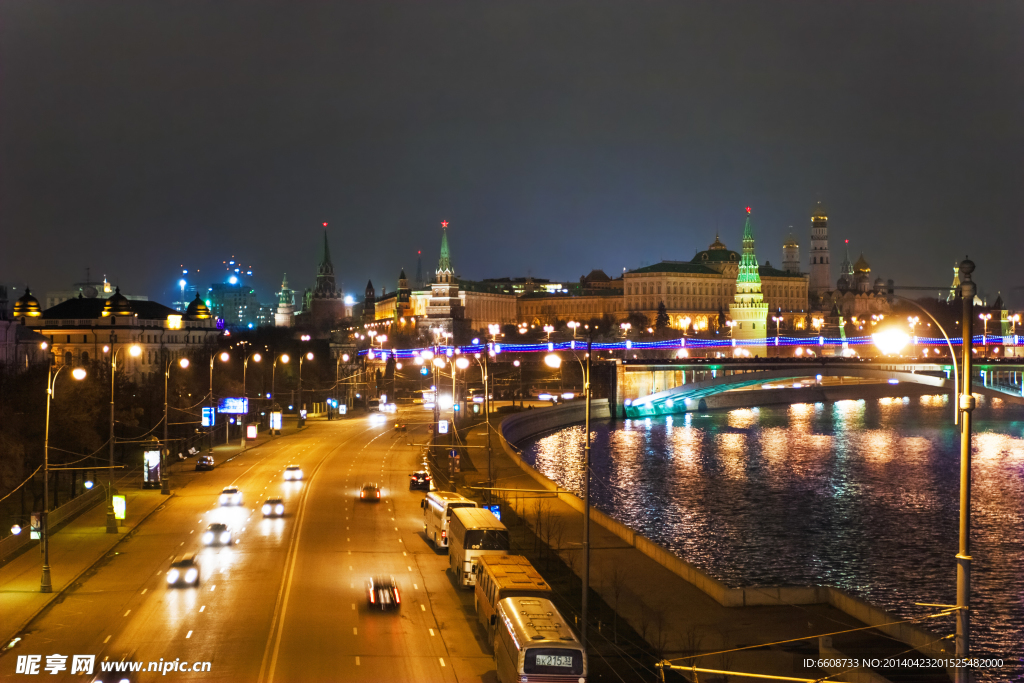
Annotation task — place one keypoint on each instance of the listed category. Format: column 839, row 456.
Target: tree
column 662, row 321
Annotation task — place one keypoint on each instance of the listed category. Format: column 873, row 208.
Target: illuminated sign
column 442, row 426
column 174, row 322
column 495, row 509
column 120, row 506
column 208, row 417
column 343, row 409
column 275, row 420
column 234, row 406
column 35, row 526
column 250, row 431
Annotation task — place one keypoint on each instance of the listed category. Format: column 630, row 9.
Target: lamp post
column 134, row 351
column 487, row 417
column 302, row 357
column 165, row 483
column 554, row 361
column 342, row 358
column 966, row 404
column 574, row 325
column 985, row 317
column 273, row 376
column 51, row 380
column 548, row 329
column 224, row 357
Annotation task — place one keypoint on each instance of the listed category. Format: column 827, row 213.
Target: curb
column 78, row 576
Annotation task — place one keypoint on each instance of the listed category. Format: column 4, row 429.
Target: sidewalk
column 672, row 615
column 83, row 541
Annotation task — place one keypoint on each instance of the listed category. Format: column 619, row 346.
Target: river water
column 861, row 495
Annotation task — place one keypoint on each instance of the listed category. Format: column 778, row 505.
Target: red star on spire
column 748, row 209
column 444, row 224
column 325, row 225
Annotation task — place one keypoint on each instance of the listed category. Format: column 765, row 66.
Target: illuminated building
column 324, row 304
column 821, row 269
column 791, row 255
column 749, row 310
column 285, row 314
column 78, row 330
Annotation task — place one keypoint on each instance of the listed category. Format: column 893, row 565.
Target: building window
column 85, row 357
column 68, row 358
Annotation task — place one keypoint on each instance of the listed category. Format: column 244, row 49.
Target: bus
column 504, row 576
column 437, row 511
column 473, row 533
column 533, row 642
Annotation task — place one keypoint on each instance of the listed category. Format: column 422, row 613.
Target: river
column 861, row 495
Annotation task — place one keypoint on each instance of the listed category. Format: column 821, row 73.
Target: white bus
column 504, row 576
column 533, row 642
column 473, row 532
column 437, row 511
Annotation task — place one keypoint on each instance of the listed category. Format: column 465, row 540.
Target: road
column 285, row 602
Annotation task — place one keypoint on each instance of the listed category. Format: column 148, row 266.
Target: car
column 370, row 493
column 293, row 473
column 184, row 571
column 419, row 480
column 204, row 463
column 217, row 534
column 382, row 593
column 230, row 496
column 273, row 507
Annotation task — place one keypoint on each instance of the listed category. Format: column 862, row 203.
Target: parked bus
column 504, row 576
column 437, row 511
column 533, row 642
column 473, row 533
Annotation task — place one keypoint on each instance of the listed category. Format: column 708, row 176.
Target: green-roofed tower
column 445, row 309
column 749, row 311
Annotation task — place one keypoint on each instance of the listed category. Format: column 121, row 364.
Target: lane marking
column 189, row 634
column 431, row 631
column 106, row 640
column 350, row 567
column 128, row 612
column 353, row 605
column 404, row 554
column 423, row 608
column 415, row 587
column 410, row 568
column 355, row 631
column 442, row 660
column 144, row 590
column 212, row 587
column 202, row 608
column 357, row 661
column 193, row 531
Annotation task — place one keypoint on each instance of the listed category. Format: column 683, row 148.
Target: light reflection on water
column 862, row 495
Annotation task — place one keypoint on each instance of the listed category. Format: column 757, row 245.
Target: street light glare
column 183, row 363
column 890, row 341
column 309, row 356
column 462, row 363
column 78, row 373
column 345, row 357
column 257, row 357
column 135, row 350
column 439, row 362
column 284, row 358
column 224, row 357
column 552, row 360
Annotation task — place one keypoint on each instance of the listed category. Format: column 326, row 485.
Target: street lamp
column 165, row 483
column 985, row 317
column 1014, row 319
column 574, row 325
column 306, row 356
column 548, row 329
column 245, row 367
column 273, row 375
column 778, row 321
column 494, row 331
column 51, row 380
column 553, row 360
column 731, row 324
column 134, row 351
column 224, row 358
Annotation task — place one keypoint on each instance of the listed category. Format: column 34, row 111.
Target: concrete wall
column 521, row 426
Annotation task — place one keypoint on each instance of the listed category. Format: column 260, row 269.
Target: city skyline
column 631, row 138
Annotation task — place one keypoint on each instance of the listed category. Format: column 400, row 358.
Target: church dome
column 198, row 310
column 27, row 305
column 861, row 266
column 716, row 252
column 117, row 304
column 819, row 211
column 790, row 242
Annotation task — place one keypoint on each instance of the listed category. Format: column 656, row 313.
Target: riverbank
column 694, row 612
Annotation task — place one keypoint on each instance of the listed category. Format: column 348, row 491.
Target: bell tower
column 821, row 269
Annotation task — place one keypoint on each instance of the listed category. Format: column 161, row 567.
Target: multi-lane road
column 286, row 601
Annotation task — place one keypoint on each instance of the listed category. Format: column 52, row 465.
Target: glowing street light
column 890, row 342
column 165, row 483
column 548, row 329
column 134, row 351
column 552, row 360
column 574, row 325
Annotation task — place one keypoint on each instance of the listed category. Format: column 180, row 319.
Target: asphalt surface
column 286, row 601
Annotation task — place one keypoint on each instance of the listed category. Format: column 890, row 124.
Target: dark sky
column 556, row 137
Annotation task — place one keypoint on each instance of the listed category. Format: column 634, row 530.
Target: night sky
column 556, row 137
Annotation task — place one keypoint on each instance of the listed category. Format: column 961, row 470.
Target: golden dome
column 790, row 242
column 117, row 304
column 197, row 310
column 27, row 306
column 861, row 266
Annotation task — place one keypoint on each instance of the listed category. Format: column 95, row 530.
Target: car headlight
column 208, row 537
column 172, row 576
column 191, row 575
column 279, row 509
column 287, row 476
column 223, row 499
column 266, row 509
column 225, row 537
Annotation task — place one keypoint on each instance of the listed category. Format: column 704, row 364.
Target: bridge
column 648, row 388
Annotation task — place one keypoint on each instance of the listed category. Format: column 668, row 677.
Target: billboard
column 442, row 426
column 234, row 406
column 151, row 469
column 208, row 417
column 275, row 420
column 120, row 506
column 250, row 431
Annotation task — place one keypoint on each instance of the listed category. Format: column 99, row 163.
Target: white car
column 293, row 473
column 217, row 534
column 230, row 496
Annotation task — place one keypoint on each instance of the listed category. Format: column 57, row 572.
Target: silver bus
column 473, row 532
column 437, row 510
column 532, row 642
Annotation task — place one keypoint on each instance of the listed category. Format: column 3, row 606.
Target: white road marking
column 144, row 590
column 128, row 612
column 353, row 605
column 355, row 631
column 350, row 567
column 431, row 631
column 189, row 634
column 212, row 587
column 442, row 660
column 203, row 608
column 396, row 528
column 357, row 661
column 399, row 540
column 410, row 568
column 423, row 608
column 182, row 543
column 415, row 587
column 193, row 531
column 106, row 640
